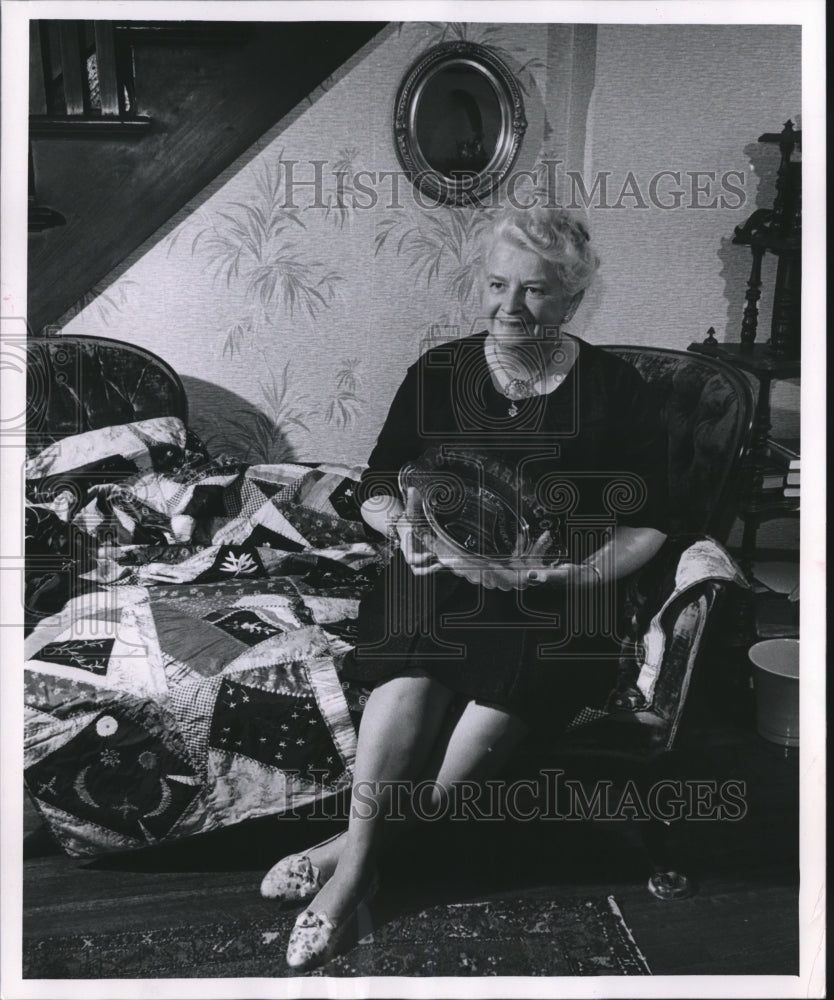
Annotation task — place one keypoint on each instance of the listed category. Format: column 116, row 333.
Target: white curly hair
column 558, row 235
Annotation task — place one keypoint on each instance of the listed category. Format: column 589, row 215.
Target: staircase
column 130, row 120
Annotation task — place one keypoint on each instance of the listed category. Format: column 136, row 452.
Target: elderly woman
column 496, row 657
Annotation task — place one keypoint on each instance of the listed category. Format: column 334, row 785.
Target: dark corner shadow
column 228, row 423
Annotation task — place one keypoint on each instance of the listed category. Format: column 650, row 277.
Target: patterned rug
column 530, row 937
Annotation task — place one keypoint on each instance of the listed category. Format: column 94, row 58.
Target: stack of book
column 782, row 471
column 792, row 480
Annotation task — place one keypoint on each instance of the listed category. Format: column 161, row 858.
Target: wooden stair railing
column 81, row 80
column 81, row 83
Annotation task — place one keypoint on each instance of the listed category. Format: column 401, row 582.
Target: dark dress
column 542, row 653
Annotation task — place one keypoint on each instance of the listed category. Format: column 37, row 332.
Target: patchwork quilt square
column 244, row 625
column 119, row 773
column 280, row 730
column 86, row 654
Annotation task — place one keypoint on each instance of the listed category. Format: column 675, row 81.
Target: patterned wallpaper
column 292, row 309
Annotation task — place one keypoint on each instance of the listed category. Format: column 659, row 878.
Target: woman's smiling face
column 522, row 295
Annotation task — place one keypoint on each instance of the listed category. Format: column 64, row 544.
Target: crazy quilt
column 183, row 676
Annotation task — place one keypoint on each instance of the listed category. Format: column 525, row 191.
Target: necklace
column 516, row 389
column 525, row 388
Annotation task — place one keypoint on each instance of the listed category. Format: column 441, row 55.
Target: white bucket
column 776, row 683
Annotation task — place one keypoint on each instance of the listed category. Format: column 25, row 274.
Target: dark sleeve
column 399, row 441
column 639, row 449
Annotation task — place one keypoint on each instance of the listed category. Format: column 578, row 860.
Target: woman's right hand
column 415, row 537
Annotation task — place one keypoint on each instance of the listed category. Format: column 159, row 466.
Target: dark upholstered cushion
column 707, row 408
column 82, row 384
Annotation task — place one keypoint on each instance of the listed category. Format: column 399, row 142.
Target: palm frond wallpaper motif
column 443, row 248
column 104, row 302
column 262, row 436
column 237, row 335
column 256, row 243
column 305, row 302
column 341, row 203
column 346, row 403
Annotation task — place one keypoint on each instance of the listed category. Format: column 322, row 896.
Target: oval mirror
column 459, row 122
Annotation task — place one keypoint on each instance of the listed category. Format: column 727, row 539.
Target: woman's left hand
column 520, row 574
column 626, row 551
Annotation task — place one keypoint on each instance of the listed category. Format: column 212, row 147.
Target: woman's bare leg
column 471, row 747
column 399, row 728
column 478, row 746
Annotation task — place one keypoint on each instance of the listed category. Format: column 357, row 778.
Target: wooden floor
column 742, row 919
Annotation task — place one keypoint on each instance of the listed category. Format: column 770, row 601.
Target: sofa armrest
column 686, row 622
